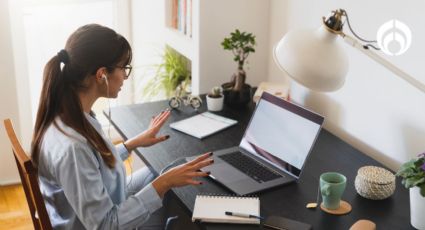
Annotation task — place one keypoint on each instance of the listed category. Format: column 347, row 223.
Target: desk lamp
column 315, row 58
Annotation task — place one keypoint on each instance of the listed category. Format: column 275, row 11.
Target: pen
column 238, row 214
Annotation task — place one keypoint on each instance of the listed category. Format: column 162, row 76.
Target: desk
column 329, row 154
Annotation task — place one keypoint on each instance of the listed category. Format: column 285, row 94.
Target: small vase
column 417, row 208
column 215, row 104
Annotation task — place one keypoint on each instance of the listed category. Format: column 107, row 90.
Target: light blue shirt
column 81, row 192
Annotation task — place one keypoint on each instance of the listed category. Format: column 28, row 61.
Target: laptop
column 273, row 150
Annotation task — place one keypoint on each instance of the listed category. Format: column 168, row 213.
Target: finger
column 159, row 123
column 161, row 114
column 162, row 118
column 200, row 158
column 160, row 139
column 194, row 182
column 198, row 174
column 202, row 164
column 152, row 121
column 155, row 118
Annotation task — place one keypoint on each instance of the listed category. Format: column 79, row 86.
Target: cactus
column 215, row 92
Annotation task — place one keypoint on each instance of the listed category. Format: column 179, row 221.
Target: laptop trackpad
column 221, row 172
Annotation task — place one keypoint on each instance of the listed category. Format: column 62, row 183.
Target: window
column 48, row 24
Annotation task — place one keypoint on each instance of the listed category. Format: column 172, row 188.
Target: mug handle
column 325, row 190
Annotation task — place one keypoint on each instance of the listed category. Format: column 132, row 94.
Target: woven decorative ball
column 374, row 183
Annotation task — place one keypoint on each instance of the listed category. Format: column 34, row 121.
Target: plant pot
column 237, row 98
column 417, row 208
column 215, row 104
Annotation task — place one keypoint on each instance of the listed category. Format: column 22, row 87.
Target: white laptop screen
column 281, row 133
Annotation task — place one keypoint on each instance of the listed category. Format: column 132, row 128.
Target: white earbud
column 105, row 78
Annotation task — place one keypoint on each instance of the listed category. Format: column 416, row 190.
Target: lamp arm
column 353, row 42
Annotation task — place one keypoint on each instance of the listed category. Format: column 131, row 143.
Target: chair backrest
column 29, row 179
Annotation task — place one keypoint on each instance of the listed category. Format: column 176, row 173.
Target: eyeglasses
column 126, row 68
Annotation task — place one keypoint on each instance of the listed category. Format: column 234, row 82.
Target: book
column 174, row 14
column 203, row 125
column 276, row 89
column 212, row 208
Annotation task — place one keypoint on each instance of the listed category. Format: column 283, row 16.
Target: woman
column 81, row 173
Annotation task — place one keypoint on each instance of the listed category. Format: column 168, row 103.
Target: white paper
column 203, row 124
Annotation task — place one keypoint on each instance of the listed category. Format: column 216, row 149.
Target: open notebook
column 203, row 125
column 212, row 209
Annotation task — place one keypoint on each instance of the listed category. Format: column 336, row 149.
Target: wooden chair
column 29, row 179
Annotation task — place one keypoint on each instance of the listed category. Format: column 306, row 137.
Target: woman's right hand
column 182, row 175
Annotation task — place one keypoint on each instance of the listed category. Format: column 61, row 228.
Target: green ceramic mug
column 332, row 186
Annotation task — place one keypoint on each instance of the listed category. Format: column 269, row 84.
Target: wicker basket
column 374, row 183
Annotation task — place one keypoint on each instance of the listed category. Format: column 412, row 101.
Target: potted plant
column 413, row 174
column 237, row 92
column 170, row 75
column 215, row 99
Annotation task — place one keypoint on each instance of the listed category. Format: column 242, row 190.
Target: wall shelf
column 206, row 24
column 180, row 42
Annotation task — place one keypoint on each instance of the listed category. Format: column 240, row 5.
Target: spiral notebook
column 212, row 209
column 203, row 125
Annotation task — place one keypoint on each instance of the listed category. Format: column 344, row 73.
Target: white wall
column 217, row 19
column 375, row 111
column 148, row 20
column 212, row 22
column 24, row 120
column 8, row 98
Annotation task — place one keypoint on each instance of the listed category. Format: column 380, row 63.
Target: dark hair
column 89, row 48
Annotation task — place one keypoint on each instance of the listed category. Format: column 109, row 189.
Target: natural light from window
column 47, row 26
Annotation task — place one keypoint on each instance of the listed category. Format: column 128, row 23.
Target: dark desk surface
column 329, row 154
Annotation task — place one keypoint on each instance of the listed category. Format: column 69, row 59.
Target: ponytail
column 48, row 105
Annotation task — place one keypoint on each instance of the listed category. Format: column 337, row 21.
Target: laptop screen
column 281, row 133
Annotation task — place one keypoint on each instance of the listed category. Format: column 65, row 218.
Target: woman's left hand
column 149, row 137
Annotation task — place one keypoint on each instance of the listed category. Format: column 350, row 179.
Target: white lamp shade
column 313, row 58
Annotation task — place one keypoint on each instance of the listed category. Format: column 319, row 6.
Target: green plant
column 169, row 75
column 413, row 173
column 215, row 92
column 241, row 45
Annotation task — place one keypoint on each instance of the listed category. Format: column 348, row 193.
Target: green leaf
column 408, row 166
column 241, row 43
column 413, row 181
column 419, row 162
column 168, row 75
column 408, row 182
column 406, row 172
column 418, row 180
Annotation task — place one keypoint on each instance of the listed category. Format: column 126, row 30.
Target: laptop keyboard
column 250, row 167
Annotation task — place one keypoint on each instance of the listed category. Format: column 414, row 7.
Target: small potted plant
column 237, row 92
column 215, row 99
column 166, row 78
column 413, row 174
